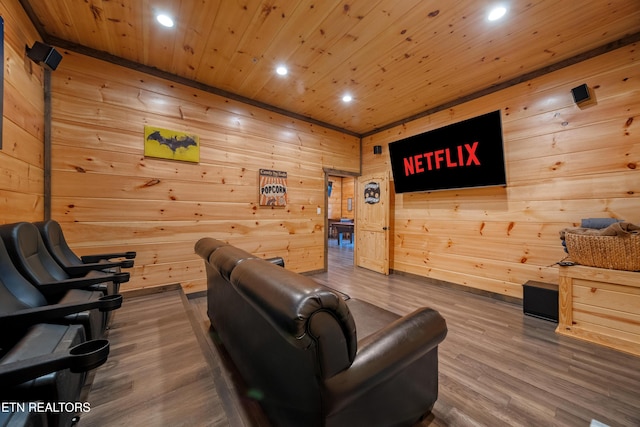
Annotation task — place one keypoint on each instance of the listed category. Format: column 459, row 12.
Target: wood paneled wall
column 348, row 190
column 108, row 196
column 21, row 157
column 564, row 163
column 334, row 202
column 343, row 189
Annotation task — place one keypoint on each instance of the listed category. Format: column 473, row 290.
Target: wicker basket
column 614, row 252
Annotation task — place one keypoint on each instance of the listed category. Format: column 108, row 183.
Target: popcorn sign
column 273, row 188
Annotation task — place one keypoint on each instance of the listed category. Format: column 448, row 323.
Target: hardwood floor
column 156, row 374
column 498, row 367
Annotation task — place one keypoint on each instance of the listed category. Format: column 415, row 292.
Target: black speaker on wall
column 42, row 53
column 581, row 93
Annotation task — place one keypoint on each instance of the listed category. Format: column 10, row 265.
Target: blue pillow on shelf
column 598, row 223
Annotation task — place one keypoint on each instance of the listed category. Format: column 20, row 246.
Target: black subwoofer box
column 540, row 300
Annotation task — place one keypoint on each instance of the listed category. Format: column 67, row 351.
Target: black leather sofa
column 294, row 342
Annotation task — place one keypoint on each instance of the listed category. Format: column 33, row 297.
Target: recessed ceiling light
column 165, row 20
column 497, row 13
column 347, row 98
column 282, row 70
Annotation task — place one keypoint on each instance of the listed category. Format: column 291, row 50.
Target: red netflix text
column 444, row 158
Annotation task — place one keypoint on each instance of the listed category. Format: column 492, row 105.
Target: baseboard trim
column 176, row 286
column 196, row 294
column 463, row 288
column 312, row 272
column 132, row 293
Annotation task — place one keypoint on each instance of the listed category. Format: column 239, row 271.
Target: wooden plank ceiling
column 397, row 59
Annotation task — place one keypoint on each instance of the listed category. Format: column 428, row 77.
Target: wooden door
column 372, row 222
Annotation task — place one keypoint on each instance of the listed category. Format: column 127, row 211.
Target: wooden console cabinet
column 601, row 306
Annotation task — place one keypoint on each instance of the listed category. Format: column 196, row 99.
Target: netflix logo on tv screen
column 465, row 154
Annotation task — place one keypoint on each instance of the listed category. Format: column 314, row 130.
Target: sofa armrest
column 384, row 354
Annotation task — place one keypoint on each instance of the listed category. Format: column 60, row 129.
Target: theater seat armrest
column 32, row 316
column 60, row 286
column 386, row 353
column 107, row 276
column 98, row 257
column 83, row 357
column 81, row 270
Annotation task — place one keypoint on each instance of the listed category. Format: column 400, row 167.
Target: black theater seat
column 44, row 350
column 56, row 244
column 58, row 386
column 22, row 418
column 28, row 252
column 22, row 304
column 47, row 365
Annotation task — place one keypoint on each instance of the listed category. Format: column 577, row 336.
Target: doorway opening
column 340, row 218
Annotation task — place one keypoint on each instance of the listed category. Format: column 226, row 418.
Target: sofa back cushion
column 207, row 245
column 284, row 378
column 226, row 258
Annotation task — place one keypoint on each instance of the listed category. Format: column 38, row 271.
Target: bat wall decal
column 173, row 143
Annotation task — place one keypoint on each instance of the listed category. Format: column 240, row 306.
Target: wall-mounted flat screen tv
column 461, row 155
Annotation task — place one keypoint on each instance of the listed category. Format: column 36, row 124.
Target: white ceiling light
column 282, row 70
column 165, row 20
column 347, row 98
column 497, row 13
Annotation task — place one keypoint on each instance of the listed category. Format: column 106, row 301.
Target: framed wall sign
column 170, row 144
column 372, row 193
column 273, row 188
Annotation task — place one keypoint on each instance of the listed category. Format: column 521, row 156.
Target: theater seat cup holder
column 89, row 355
column 110, row 302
